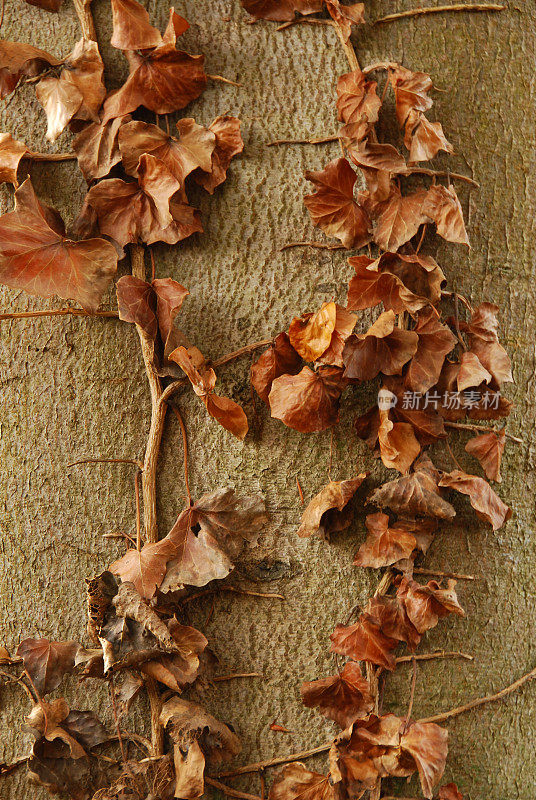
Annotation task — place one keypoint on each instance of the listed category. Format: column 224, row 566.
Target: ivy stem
column 228, row 791
column 85, row 17
column 185, row 451
column 59, row 312
column 479, row 428
column 157, row 731
column 419, row 12
column 158, row 414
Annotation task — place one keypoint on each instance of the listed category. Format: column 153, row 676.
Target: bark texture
column 74, row 388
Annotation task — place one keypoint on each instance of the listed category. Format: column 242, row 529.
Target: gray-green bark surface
column 73, row 388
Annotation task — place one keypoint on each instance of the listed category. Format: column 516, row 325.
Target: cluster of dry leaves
column 137, row 175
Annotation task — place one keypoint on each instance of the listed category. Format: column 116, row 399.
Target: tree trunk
column 75, row 387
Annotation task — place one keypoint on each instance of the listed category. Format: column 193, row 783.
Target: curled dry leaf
column 345, row 322
column 471, row 372
column 46, row 662
column 333, row 207
column 383, row 348
column 442, row 206
column 279, row 359
column 390, row 614
column 414, row 495
column 308, row 401
column 327, row 511
column 47, row 718
column 401, row 282
column 357, row 98
column 488, row 448
column 384, row 545
column 97, row 147
column 280, row 10
column 310, row 335
column 487, row 504
column 296, row 782
column 47, row 5
column 424, row 139
column 11, row 152
column 36, row 256
column 435, row 342
column 485, row 343
column 398, row 218
column 18, row 59
column 426, row 605
column 364, row 641
column 399, row 446
column 188, row 722
column 346, row 16
column 228, row 145
column 411, row 92
column 203, row 379
column 343, row 697
column 371, row 155
column 145, row 568
column 131, row 27
column 426, row 743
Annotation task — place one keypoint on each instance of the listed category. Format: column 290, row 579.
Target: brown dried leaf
column 279, row 359
column 345, row 322
column 145, row 568
column 11, row 152
column 414, row 495
column 188, row 722
column 471, row 372
column 426, row 743
column 357, row 98
column 398, row 445
column 189, row 764
column 487, row 504
column 333, row 208
column 411, row 92
column 280, row 10
column 426, row 604
column 383, row 348
column 485, row 343
column 224, row 515
column 450, row 792
column 393, row 619
column 228, row 144
column 36, row 256
column 310, row 335
column 443, row 207
column 384, row 545
column 343, row 697
column 424, row 139
column 488, row 448
column 346, row 16
column 364, row 641
column 296, row 782
column 198, row 558
column 398, row 218
column 49, row 719
column 47, row 5
column 323, row 514
column 435, row 342
column 308, row 401
column 46, row 662
column 131, row 27
column 97, row 147
column 18, row 59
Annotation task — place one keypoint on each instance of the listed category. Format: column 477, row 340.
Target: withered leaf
column 11, row 152
column 424, row 139
column 401, row 282
column 485, row 343
column 346, row 16
column 47, row 662
column 364, row 641
column 398, row 218
column 343, row 697
column 471, row 372
column 310, row 335
column 228, row 145
column 49, row 719
column 487, row 504
column 226, row 516
column 308, row 401
column 325, row 512
column 390, row 614
column 18, row 59
column 333, row 207
column 280, row 10
column 145, row 568
column 345, row 322
column 47, row 5
column 279, row 359
column 411, row 92
column 399, row 446
column 198, row 558
column 37, row 257
column 189, row 764
column 296, row 782
column 188, row 722
column 488, row 448
column 383, row 348
column 97, row 147
column 427, row 423
column 443, row 207
column 130, row 605
column 435, row 342
column 357, row 98
column 414, row 495
column 450, row 792
column 384, row 544
column 131, row 27
column 372, row 155
column 153, row 306
column 426, row 743
column 426, row 604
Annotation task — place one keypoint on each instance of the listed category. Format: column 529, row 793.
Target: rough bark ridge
column 75, row 387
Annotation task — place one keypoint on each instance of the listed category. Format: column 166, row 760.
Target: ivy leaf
column 488, row 448
column 327, row 511
column 308, row 401
column 426, row 604
column 280, row 10
column 131, row 27
column 364, row 641
column 343, row 697
column 333, row 208
column 345, row 322
column 398, row 218
column 443, row 207
column 310, row 335
column 383, row 348
column 97, row 147
column 398, row 444
column 18, row 59
column 487, row 504
column 424, row 139
column 11, row 153
column 357, row 98
column 145, row 568
column 485, row 343
column 36, row 256
column 426, row 743
column 435, row 342
column 411, row 92
column 279, row 359
column 346, row 16
column 471, row 372
column 384, row 545
column 47, row 662
column 228, row 145
column 296, row 782
column 414, row 495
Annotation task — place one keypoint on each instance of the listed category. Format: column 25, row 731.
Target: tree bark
column 74, row 388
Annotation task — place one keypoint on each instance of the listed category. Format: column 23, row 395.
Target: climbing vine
column 436, row 360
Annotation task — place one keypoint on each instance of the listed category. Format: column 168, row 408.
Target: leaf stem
column 419, row 12
column 317, row 245
column 223, row 80
column 59, row 312
column 274, row 762
column 107, row 461
column 459, row 576
column 185, row 451
column 50, row 156
column 220, row 678
column 323, row 140
column 468, row 427
column 433, row 656
column 85, row 18
column 228, row 791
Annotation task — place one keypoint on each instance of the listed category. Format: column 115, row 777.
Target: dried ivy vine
column 433, row 371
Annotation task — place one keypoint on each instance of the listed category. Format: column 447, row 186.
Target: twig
column 454, row 712
column 305, row 21
column 347, row 47
column 220, row 678
column 300, row 491
column 223, row 80
column 20, row 682
column 116, row 720
column 50, row 156
column 323, row 140
column 85, row 17
column 59, row 312
column 274, row 762
column 158, row 414
column 138, row 510
column 432, row 656
column 157, row 731
column 185, row 451
column 419, row 12
column 411, row 693
column 235, row 590
column 469, row 427
column 7, row 769
column 227, row 790
column 435, row 173
column 459, row 576
column 318, row 245
column 107, row 461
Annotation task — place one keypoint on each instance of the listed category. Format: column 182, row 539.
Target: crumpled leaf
column 488, row 448
column 36, row 256
column 414, row 495
column 131, row 27
column 401, row 282
column 424, row 139
column 310, row 335
column 346, row 16
column 384, row 544
column 280, row 10
column 343, row 697
column 398, row 218
column 357, row 98
column 364, row 641
column 435, row 343
column 308, row 401
column 76, row 729
column 383, row 348
column 471, row 372
column 47, row 5
column 145, row 568
column 296, row 782
column 345, row 322
column 279, row 359
column 46, row 662
column 411, row 92
column 487, row 504
column 228, row 145
column 443, row 207
column 97, row 147
column 11, row 153
column 18, row 59
column 391, row 616
column 229, row 414
column 399, row 446
column 426, row 604
column 426, row 743
column 333, row 207
column 327, row 511
column 485, row 343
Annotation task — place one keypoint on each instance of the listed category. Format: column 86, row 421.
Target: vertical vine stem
column 158, row 414
column 85, row 17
